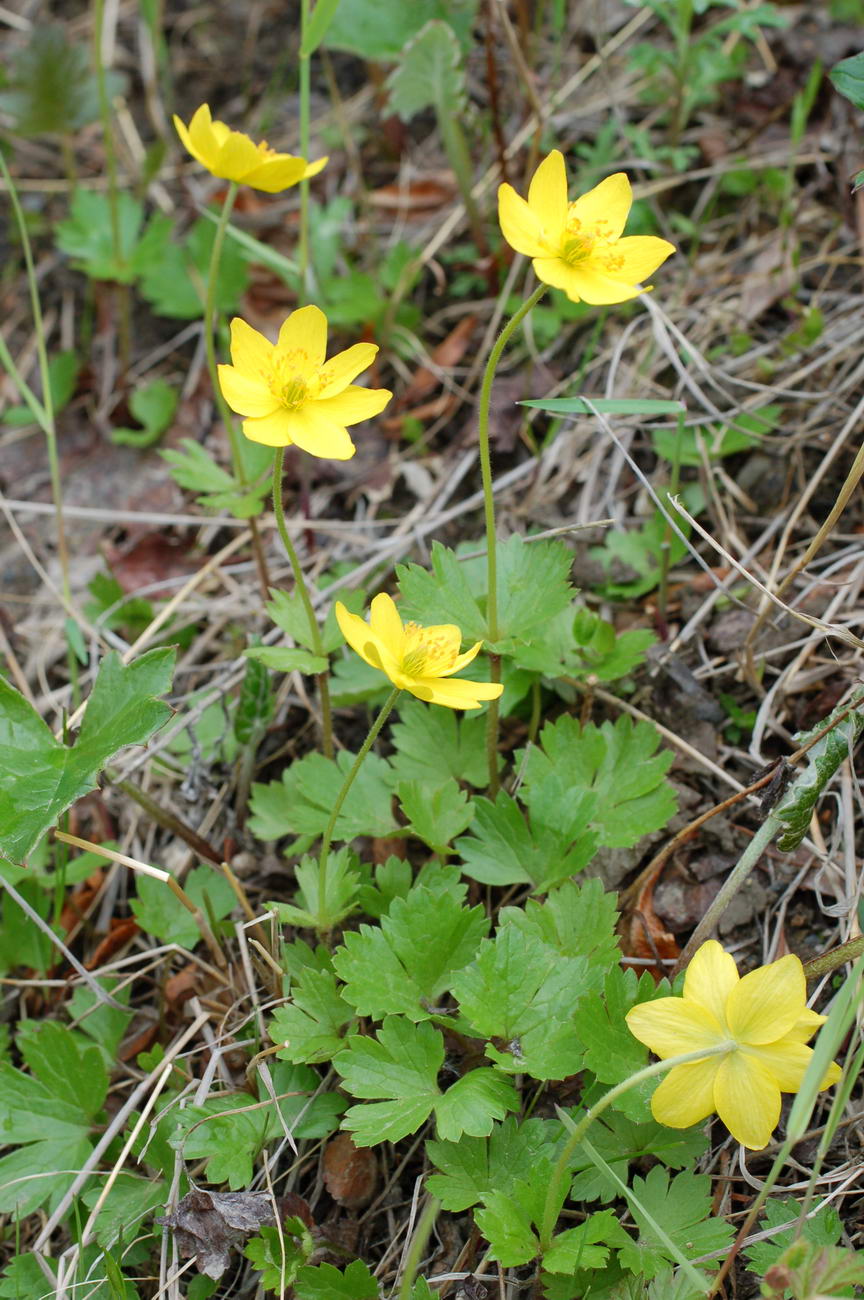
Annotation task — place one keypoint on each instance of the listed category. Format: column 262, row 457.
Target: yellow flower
column 290, row 394
column 235, row 157
column 763, row 1022
column 578, row 246
column 416, row 659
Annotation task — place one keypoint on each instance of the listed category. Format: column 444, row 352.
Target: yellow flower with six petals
column 764, row 1023
column 578, row 247
column 233, row 156
column 290, row 394
column 418, row 659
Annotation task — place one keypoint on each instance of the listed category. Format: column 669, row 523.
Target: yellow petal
column 747, row 1099
column 204, row 143
column 462, row 660
column 448, row 636
column 251, row 353
column 454, row 693
column 319, row 436
column 236, row 158
column 337, row 374
column 186, row 139
column 711, row 977
column 603, row 211
column 547, row 196
column 633, row 259
column 304, row 332
column 385, row 622
column 353, row 404
column 520, row 226
column 276, row 174
column 806, row 1025
column 672, row 1026
column 313, row 168
column 686, row 1094
column 359, row 636
column 245, row 395
column 786, row 1061
column 765, row 1004
column 580, row 283
column 272, row 430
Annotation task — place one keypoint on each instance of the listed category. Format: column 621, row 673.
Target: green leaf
column 380, row 29
column 393, row 879
column 436, row 815
column 302, row 801
column 612, row 1053
column 683, row 1207
column 718, row 440
column 153, row 407
column 613, row 769
column 441, row 594
column 522, row 993
column 586, row 1246
column 473, row 1167
column 193, row 468
column 473, row 1103
column 576, row 921
column 175, row 281
column 105, row 1024
column 429, row 74
column 309, row 1028
column 130, row 1200
column 316, row 28
column 63, row 370
column 286, row 659
column 226, row 1133
column 39, row 1174
column 503, row 849
column 40, row 778
column 23, row 1278
column 433, row 744
column 343, row 882
column 406, row 963
column 278, row 1255
column 86, row 236
column 51, row 89
column 400, row 1064
column 848, row 78
column 606, row 405
column 822, row 1229
column 620, row 1140
column 637, row 552
column 71, row 1068
column 255, row 704
column 325, row 1282
column 158, row 912
column 823, row 758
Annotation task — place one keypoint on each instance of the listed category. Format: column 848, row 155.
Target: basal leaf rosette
column 418, row 659
column 234, row 156
column 762, row 1024
column 580, row 247
column 290, row 394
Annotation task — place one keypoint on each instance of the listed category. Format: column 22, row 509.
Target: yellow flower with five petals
column 233, row 156
column 763, row 1022
column 418, row 659
column 290, row 394
column 578, row 247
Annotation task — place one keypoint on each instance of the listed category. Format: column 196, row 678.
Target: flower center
column 293, row 379
column 426, row 655
column 294, row 393
column 265, row 150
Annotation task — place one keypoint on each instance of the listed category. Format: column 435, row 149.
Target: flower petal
column 786, row 1061
column 385, row 622
column 461, row 661
column 305, row 332
column 251, row 352
column 747, row 1098
column 186, row 139
column 353, row 404
column 204, row 144
column 359, row 636
column 581, row 283
column 520, row 225
column 337, row 374
column 272, row 430
column 319, row 436
column 603, row 211
column 633, row 258
column 806, row 1025
column 245, row 394
column 272, row 175
column 711, row 977
column 672, row 1026
column 453, row 693
column 767, row 1003
column 686, row 1095
column 236, row 158
column 547, row 196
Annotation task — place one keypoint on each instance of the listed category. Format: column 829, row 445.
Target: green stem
column 304, row 96
column 578, row 1131
column 386, row 709
column 459, row 159
column 323, row 678
column 730, row 887
column 489, row 513
column 234, row 435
